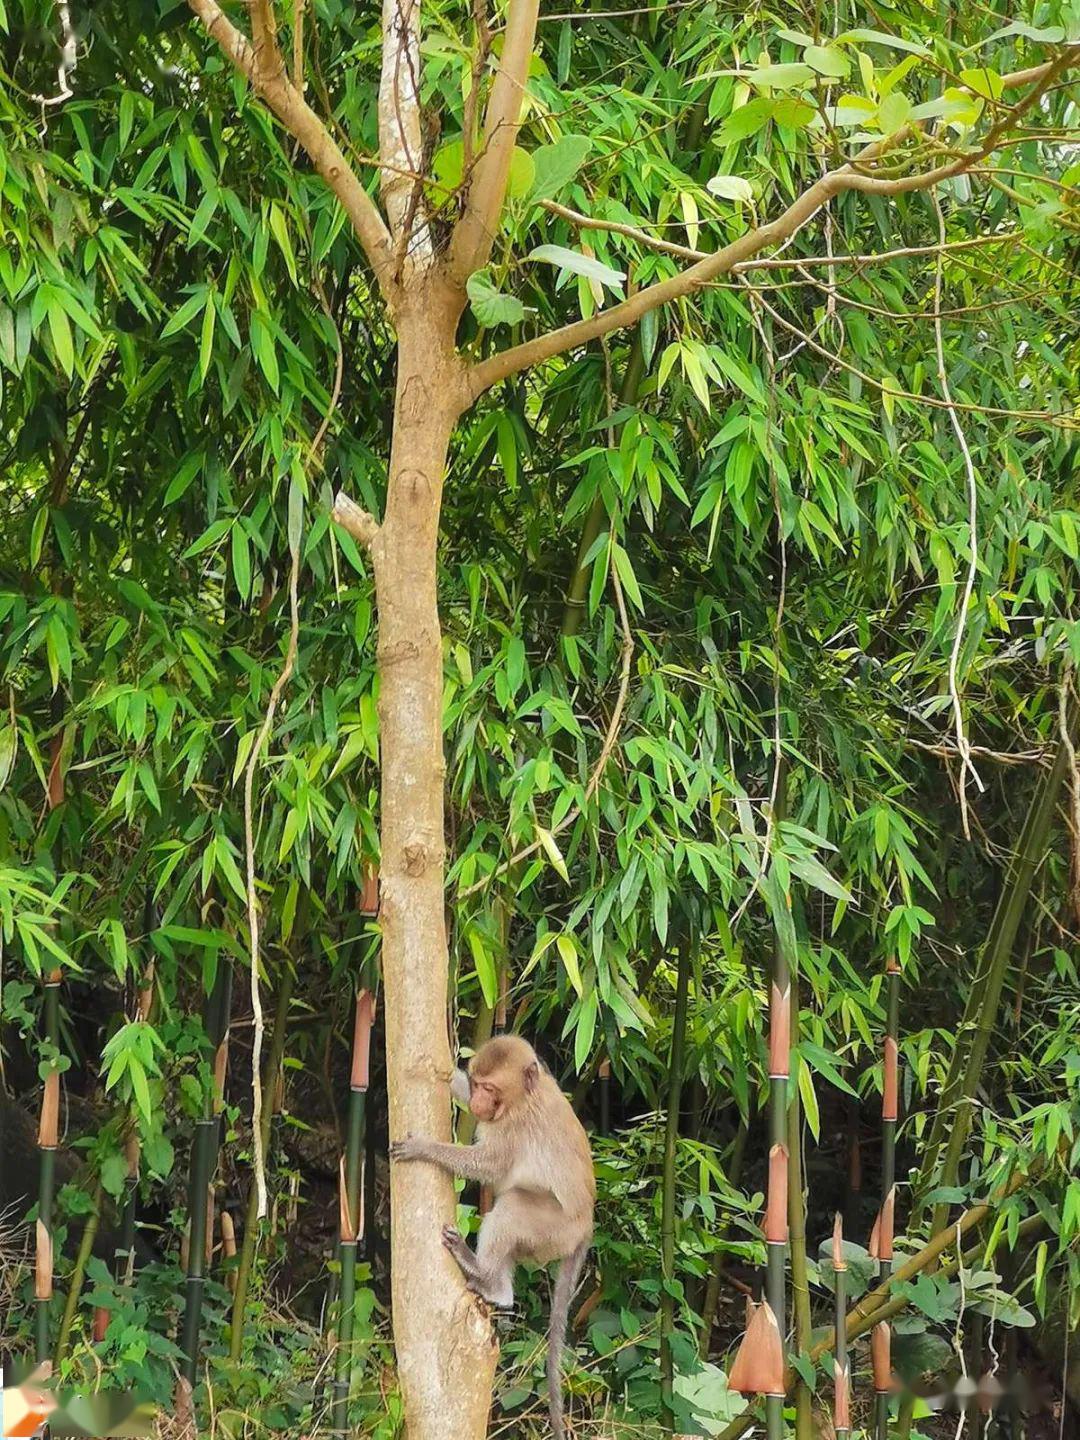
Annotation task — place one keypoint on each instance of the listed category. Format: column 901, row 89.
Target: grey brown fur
column 532, row 1151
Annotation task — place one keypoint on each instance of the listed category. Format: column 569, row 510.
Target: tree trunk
column 445, row 1348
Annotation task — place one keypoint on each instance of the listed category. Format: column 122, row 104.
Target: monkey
column 532, row 1150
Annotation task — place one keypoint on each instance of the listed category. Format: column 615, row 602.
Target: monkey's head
column 503, row 1073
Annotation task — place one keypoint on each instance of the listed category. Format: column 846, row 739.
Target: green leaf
column 894, row 112
column 206, row 340
column 827, row 60
column 295, row 522
column 880, row 37
column 491, row 306
column 625, row 572
column 241, row 559
column 987, row 84
column 781, row 77
column 486, row 971
column 586, row 1029
column 730, row 187
column 280, row 232
column 60, row 329
column 746, row 121
column 187, row 311
column 189, row 468
column 449, row 165
column 557, row 164
column 809, row 1100
column 554, row 854
column 522, row 173
column 569, row 957
column 578, row 264
column 1046, row 35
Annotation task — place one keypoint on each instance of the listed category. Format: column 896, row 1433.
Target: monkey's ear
column 532, row 1076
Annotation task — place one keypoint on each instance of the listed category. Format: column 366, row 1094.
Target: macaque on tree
column 533, row 1153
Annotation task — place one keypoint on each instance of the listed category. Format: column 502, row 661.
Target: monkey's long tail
column 566, row 1282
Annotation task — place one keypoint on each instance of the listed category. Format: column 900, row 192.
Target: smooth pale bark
column 444, row 1343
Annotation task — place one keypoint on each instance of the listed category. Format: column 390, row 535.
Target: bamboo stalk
column 841, row 1370
column 776, row 1211
column 984, row 998
column 676, row 1066
column 242, row 1274
column 350, row 1217
column 881, row 1240
column 800, row 1279
column 712, row 1290
column 124, row 1255
column 48, row 1137
column 78, row 1275
column 204, row 1148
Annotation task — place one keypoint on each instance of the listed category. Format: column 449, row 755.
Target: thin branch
column 282, row 680
column 474, row 234
column 967, row 766
column 273, row 86
column 851, row 176
column 684, row 252
column 69, row 58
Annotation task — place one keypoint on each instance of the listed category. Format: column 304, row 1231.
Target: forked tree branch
column 260, row 61
column 475, row 232
column 852, row 176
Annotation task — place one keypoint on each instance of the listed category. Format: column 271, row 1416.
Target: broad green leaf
column 781, row 77
column 894, row 112
column 556, row 165
column 522, row 173
column 730, row 187
column 747, row 120
column 827, row 60
column 880, row 37
column 578, row 264
column 491, row 306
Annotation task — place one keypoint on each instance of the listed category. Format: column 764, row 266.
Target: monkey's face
column 486, row 1098
column 502, row 1075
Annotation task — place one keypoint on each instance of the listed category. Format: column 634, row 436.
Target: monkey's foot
column 502, row 1310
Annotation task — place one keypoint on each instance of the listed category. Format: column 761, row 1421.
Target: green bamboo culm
column 351, row 1220
column 204, row 1148
column 841, row 1370
column 800, row 1277
column 776, row 1209
column 48, row 1137
column 676, row 1066
column 984, row 998
column 252, row 1226
column 881, row 1240
column 124, row 1254
column 712, row 1290
column 78, row 1275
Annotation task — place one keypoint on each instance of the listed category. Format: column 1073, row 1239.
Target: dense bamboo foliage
column 755, row 635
